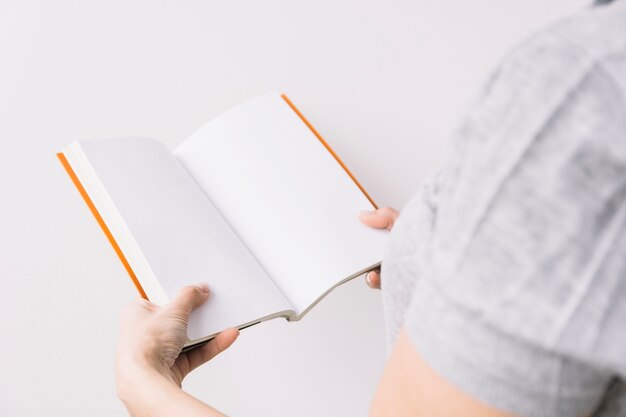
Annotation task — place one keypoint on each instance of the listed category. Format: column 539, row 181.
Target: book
column 255, row 203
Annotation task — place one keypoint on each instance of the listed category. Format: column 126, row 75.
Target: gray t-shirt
column 508, row 269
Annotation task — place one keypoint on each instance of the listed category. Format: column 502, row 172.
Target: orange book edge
column 327, row 146
column 101, row 222
column 109, row 235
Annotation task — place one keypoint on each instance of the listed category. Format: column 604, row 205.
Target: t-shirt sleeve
column 521, row 302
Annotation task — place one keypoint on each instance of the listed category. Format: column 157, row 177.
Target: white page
column 285, row 195
column 181, row 235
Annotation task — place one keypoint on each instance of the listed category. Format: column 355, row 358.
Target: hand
column 151, row 340
column 382, row 218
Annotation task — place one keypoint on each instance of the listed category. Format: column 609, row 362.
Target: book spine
column 100, row 220
column 327, row 146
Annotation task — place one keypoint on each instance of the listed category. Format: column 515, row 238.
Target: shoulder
column 526, row 255
column 541, row 177
column 592, row 37
column 563, row 89
column 538, row 75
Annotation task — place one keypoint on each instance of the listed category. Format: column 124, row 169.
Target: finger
column 383, row 218
column 205, row 353
column 188, row 299
column 372, row 279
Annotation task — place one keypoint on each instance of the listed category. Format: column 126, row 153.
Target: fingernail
column 204, row 287
column 368, row 278
column 366, row 213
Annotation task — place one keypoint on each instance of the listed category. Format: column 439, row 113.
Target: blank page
column 180, row 233
column 285, row 195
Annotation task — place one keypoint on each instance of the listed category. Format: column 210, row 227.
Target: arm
column 149, row 365
column 409, row 387
column 149, row 394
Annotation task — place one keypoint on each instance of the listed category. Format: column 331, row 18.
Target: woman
column 504, row 280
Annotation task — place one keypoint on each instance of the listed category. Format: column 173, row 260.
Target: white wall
column 383, row 81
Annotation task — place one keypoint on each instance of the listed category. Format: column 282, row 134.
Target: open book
column 255, row 204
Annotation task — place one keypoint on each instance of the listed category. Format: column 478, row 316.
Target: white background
column 384, row 82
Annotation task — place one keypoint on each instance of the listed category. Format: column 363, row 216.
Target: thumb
column 382, row 218
column 188, row 299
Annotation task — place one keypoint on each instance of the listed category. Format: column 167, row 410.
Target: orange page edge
column 101, row 222
column 328, row 148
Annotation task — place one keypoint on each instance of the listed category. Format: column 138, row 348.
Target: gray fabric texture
column 508, row 268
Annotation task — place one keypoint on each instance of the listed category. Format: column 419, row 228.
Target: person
column 504, row 278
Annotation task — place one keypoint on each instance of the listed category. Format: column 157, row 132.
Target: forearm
column 146, row 393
